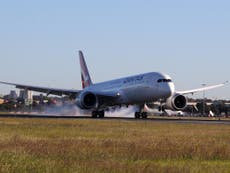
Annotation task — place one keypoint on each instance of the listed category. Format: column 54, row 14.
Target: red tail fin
column 85, row 77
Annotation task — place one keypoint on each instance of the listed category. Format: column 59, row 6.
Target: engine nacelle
column 87, row 100
column 176, row 102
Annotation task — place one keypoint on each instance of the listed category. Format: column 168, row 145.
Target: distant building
column 13, row 95
column 27, row 96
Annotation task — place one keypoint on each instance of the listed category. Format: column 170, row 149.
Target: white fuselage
column 141, row 88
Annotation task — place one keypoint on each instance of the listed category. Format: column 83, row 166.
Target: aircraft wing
column 201, row 89
column 54, row 91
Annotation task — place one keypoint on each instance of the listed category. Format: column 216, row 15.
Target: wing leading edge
column 53, row 91
column 201, row 89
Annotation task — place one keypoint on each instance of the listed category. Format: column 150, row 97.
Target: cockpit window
column 159, row 80
column 164, row 80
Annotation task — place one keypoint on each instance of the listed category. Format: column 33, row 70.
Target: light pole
column 204, row 100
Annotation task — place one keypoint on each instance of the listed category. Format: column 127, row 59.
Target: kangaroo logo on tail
column 85, row 77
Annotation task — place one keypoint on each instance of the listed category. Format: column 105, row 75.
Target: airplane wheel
column 94, row 114
column 144, row 115
column 101, row 114
column 137, row 115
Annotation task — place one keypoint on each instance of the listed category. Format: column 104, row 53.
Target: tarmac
column 151, row 119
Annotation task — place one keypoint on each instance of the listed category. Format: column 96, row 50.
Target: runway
column 192, row 120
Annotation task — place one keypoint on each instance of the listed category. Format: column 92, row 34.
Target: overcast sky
column 189, row 40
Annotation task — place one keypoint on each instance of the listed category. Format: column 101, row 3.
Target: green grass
column 75, row 145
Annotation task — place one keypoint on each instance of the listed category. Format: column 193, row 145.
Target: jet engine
column 87, row 100
column 176, row 102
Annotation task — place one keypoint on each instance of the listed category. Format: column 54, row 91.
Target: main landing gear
column 98, row 114
column 101, row 114
column 143, row 115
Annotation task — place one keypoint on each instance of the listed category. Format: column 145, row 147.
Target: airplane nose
column 167, row 89
column 171, row 88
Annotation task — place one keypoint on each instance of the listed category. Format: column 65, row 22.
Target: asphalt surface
column 154, row 119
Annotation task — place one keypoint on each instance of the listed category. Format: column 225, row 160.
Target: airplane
column 133, row 90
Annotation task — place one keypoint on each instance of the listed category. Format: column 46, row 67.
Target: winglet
column 85, row 77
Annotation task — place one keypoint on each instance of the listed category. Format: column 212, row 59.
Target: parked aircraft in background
column 134, row 90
